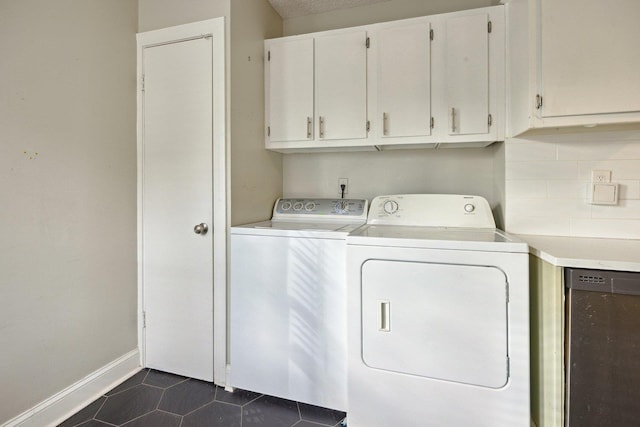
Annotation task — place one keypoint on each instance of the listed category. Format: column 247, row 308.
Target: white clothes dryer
column 438, row 318
column 288, row 307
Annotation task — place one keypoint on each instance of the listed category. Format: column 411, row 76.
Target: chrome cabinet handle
column 385, row 118
column 453, row 119
column 538, row 102
column 321, row 126
column 201, row 228
column 309, row 130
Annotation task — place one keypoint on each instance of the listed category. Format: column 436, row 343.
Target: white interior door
column 177, row 263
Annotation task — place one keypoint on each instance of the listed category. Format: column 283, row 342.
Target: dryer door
column 441, row 321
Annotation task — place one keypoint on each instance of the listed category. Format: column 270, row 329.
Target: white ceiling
column 294, row 8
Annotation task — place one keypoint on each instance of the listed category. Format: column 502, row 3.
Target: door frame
column 214, row 28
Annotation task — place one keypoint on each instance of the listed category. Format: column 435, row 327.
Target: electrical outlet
column 341, row 182
column 600, row 176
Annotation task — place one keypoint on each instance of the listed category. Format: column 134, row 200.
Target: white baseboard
column 67, row 402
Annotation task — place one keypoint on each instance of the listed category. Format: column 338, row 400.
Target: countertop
column 583, row 252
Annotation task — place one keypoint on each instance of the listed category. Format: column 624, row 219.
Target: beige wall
column 155, row 14
column 68, row 185
column 499, row 191
column 455, row 170
column 255, row 173
column 462, row 170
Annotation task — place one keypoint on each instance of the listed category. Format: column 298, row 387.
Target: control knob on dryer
column 390, row 206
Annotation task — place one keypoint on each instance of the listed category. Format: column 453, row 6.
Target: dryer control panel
column 431, row 210
column 320, row 209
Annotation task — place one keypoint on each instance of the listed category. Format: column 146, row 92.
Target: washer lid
column 317, row 218
column 316, row 229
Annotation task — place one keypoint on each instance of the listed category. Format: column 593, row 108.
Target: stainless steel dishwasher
column 603, row 348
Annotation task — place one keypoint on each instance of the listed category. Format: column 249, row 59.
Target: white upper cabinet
column 316, row 96
column 473, row 76
column 341, row 86
column 467, row 71
column 290, row 90
column 595, row 68
column 401, row 55
column 574, row 63
column 436, row 80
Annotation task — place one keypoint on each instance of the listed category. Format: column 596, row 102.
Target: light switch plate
column 604, row 194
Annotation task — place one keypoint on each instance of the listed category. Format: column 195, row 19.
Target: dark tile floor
column 158, row 399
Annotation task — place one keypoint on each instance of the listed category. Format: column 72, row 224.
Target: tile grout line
column 216, row 394
column 299, row 413
column 98, row 411
column 253, row 400
column 160, row 400
column 209, row 403
column 146, row 375
column 128, row 388
column 133, row 419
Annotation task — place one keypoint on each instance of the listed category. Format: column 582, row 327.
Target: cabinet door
column 290, row 90
column 590, row 59
column 404, row 80
column 341, row 86
column 467, row 74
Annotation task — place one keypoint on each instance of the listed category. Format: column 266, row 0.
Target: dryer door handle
column 384, row 316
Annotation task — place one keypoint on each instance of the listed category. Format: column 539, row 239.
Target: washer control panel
column 320, row 209
column 431, row 210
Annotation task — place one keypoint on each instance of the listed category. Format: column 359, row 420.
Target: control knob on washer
column 297, row 206
column 469, row 208
column 390, row 206
column 342, row 206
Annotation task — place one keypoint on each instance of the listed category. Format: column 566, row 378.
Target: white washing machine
column 288, row 301
column 438, row 316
